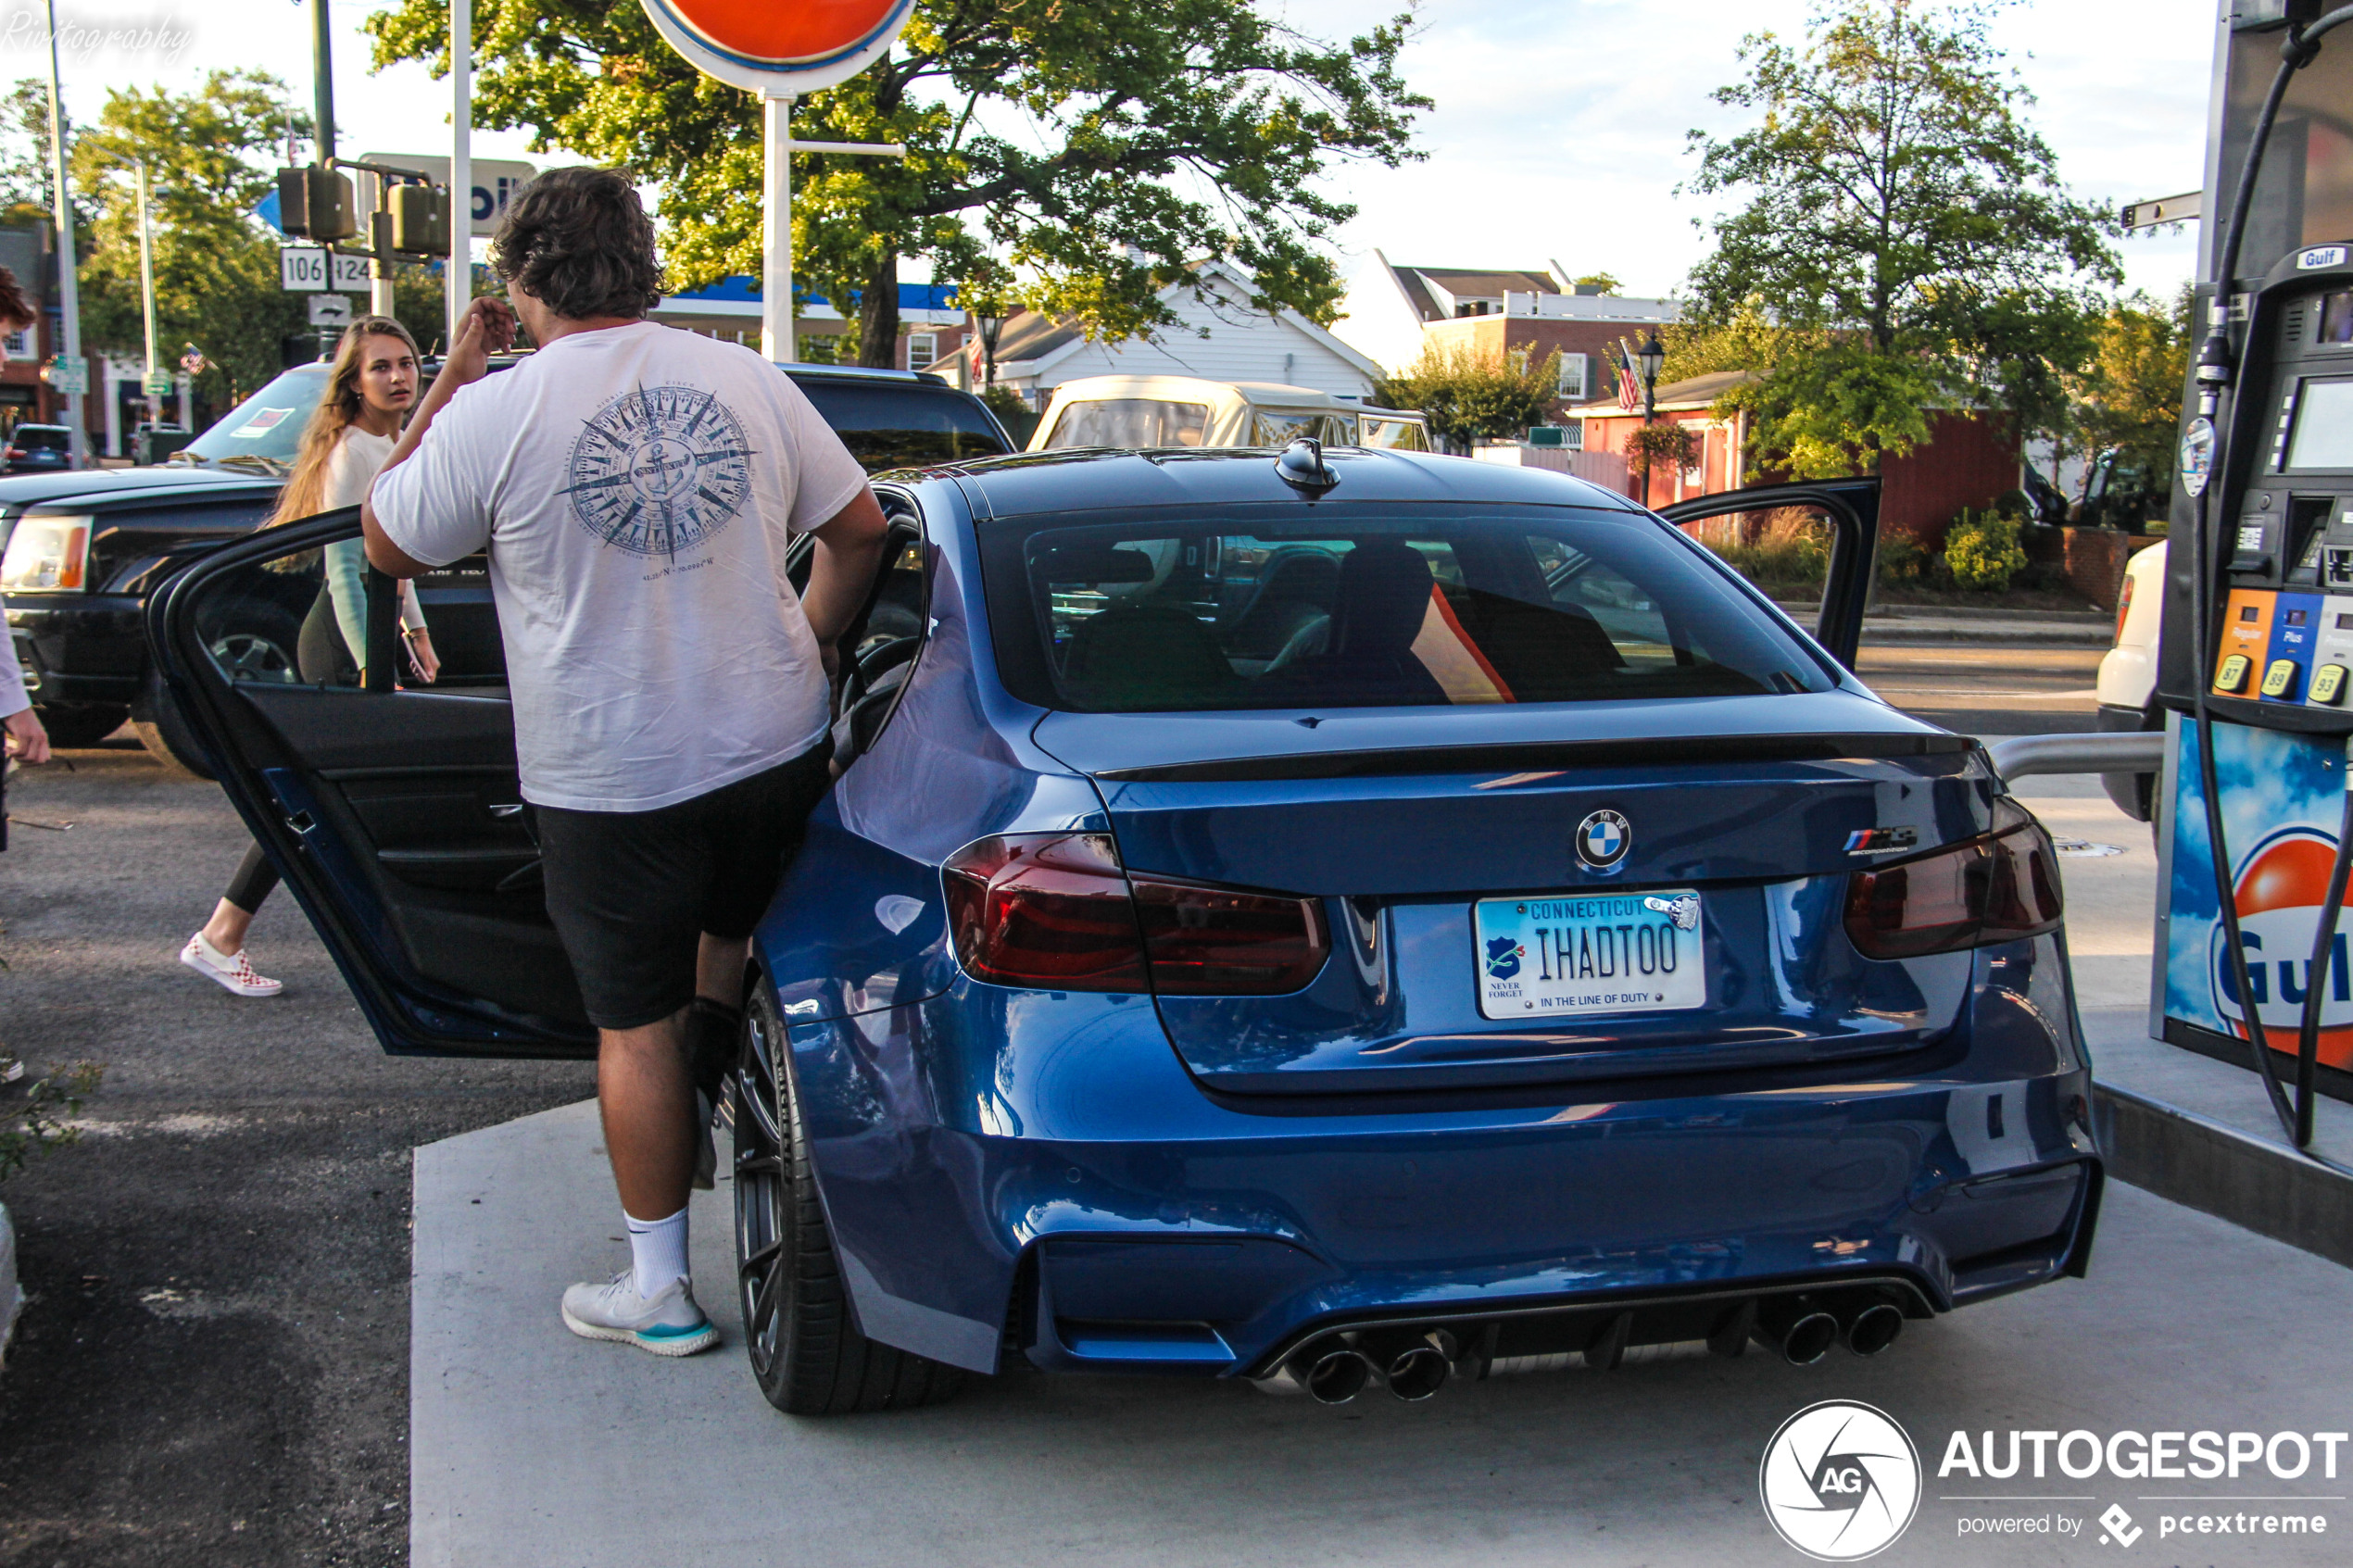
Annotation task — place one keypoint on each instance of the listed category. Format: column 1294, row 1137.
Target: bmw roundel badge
column 1603, row 839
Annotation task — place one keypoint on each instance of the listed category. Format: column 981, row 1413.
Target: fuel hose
column 2216, row 371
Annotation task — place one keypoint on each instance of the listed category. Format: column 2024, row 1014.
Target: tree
column 1906, row 244
column 2129, row 395
column 1078, row 158
column 216, row 270
column 1471, row 395
column 1600, row 282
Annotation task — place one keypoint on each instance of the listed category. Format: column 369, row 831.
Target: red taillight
column 1054, row 911
column 1218, row 942
column 2123, row 606
column 1997, row 888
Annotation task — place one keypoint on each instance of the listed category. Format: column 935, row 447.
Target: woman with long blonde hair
column 371, row 388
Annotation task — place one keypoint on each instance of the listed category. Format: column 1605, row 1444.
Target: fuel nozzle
column 2214, row 369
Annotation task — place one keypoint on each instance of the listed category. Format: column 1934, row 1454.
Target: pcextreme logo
column 1841, row 1481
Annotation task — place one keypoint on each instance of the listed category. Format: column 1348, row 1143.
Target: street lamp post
column 1650, row 357
column 148, row 297
column 69, row 288
column 987, row 325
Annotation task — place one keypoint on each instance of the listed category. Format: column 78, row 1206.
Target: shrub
column 1982, row 551
column 33, row 1119
column 1902, row 562
column 1664, row 448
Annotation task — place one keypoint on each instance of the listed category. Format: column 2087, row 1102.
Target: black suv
column 82, row 550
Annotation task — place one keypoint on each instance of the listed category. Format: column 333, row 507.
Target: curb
column 2202, row 1164
column 2045, row 637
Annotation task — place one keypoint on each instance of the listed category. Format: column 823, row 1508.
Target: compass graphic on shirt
column 660, row 469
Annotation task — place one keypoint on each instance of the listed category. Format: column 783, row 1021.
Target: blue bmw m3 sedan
column 1329, row 919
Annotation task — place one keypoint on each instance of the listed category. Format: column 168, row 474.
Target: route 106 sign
column 779, row 51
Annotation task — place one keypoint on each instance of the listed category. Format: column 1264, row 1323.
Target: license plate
column 1596, row 953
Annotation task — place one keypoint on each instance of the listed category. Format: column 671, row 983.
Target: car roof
column 1086, row 478
column 27, row 424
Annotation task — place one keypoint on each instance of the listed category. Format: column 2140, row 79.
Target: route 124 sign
column 779, row 50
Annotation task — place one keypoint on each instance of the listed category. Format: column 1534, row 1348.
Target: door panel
column 1798, row 543
column 396, row 815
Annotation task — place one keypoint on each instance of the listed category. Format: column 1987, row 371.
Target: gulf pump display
column 2258, row 655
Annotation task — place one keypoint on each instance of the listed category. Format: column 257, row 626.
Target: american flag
column 1629, row 396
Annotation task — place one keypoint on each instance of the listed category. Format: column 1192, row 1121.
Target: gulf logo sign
column 2280, row 888
column 779, row 50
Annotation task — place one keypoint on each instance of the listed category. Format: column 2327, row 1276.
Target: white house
column 1036, row 354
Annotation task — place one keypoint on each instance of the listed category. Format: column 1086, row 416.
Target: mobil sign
column 779, row 51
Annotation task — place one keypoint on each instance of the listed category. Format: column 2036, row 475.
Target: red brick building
column 26, row 249
column 1968, row 461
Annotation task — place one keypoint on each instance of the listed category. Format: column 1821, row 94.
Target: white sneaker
column 231, row 971
column 667, row 1324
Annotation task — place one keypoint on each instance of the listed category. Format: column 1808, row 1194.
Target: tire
column 163, row 730
column 83, row 723
column 807, row 1356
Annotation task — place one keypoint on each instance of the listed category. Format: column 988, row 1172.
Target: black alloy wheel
column 807, row 1356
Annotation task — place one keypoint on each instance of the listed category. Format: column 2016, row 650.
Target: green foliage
column 209, row 154
column 34, row 1118
column 1668, row 447
column 1605, row 282
column 1906, row 244
column 1470, row 396
column 2129, row 394
column 1902, row 563
column 1019, row 419
column 1982, row 551
column 1077, row 158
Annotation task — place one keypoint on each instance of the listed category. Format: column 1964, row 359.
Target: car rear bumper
column 1099, row 1206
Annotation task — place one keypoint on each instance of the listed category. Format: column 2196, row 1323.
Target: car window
column 899, row 425
column 42, row 438
column 1544, row 604
column 1131, row 421
column 1397, row 435
column 1280, row 427
column 269, row 424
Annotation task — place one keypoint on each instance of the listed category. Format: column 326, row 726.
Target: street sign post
column 780, row 52
column 331, row 310
column 69, row 378
column 302, row 268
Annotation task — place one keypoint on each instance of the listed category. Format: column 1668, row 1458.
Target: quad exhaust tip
column 1413, row 1365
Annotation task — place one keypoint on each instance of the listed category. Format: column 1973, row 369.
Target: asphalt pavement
column 214, row 1366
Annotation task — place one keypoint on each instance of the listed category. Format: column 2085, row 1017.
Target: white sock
column 656, row 1252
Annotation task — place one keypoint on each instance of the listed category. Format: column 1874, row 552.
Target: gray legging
column 324, row 660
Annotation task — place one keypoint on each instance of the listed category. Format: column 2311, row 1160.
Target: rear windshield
column 1443, row 606
column 269, row 424
column 1129, row 421
column 902, row 426
column 42, row 438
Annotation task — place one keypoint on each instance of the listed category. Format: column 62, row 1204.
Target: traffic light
column 420, row 219
column 314, row 204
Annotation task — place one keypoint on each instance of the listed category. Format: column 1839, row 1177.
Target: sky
column 1558, row 130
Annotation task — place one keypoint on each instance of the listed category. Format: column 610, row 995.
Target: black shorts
column 632, row 891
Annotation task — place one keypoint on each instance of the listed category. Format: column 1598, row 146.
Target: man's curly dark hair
column 578, row 241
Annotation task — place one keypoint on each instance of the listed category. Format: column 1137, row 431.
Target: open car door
column 394, row 810
column 1816, row 542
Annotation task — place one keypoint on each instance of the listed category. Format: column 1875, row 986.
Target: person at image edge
column 636, row 487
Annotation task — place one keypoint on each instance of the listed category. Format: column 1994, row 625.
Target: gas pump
column 2256, row 662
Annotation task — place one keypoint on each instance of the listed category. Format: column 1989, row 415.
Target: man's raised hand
column 487, row 328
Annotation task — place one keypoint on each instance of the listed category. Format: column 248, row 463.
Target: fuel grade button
column 2280, row 679
column 2232, row 675
column 2328, row 684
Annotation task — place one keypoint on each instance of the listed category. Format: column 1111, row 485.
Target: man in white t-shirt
column 636, row 486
